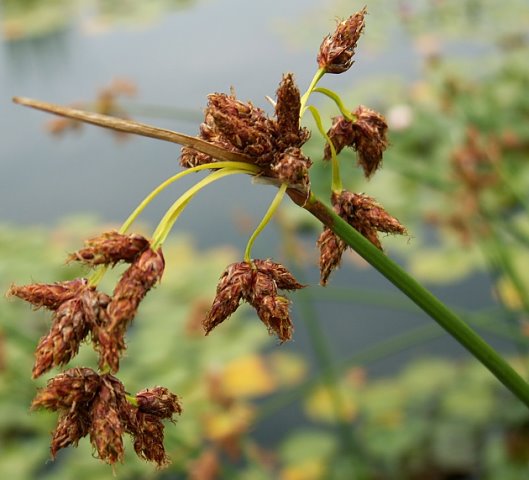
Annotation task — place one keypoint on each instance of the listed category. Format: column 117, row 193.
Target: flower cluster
column 90, row 403
column 256, row 283
column 270, row 143
column 337, row 50
column 361, row 212
column 366, row 134
column 97, row 405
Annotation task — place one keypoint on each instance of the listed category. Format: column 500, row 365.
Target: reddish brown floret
column 366, row 215
column 279, row 273
column 74, row 387
column 72, row 322
column 292, row 167
column 71, row 427
column 90, row 404
column 273, row 310
column 49, row 295
column 287, row 111
column 106, row 428
column 148, row 439
column 110, row 248
column 158, row 401
column 361, row 212
column 371, row 140
column 337, row 50
column 270, row 143
column 331, row 250
column 234, row 285
column 367, row 135
column 138, row 279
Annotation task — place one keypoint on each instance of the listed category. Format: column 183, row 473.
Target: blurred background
column 370, row 388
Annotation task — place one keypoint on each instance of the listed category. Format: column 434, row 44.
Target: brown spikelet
column 110, row 248
column 367, row 134
column 137, row 280
column 108, row 344
column 49, row 296
column 158, row 401
column 76, row 386
column 292, row 167
column 366, row 215
column 370, row 139
column 331, row 250
column 342, row 134
column 283, row 278
column 148, row 439
column 273, row 310
column 71, row 427
column 235, row 284
column 287, row 111
column 337, row 50
column 106, row 429
column 271, row 143
column 72, row 322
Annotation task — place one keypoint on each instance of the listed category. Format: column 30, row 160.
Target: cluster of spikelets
column 91, row 403
column 273, row 144
column 96, row 404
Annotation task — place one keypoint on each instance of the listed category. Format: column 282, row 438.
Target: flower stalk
column 419, row 295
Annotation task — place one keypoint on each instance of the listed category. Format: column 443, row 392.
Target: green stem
column 166, row 223
column 252, row 169
column 419, row 295
column 336, row 99
column 373, row 353
column 336, row 178
column 99, row 273
column 264, row 222
column 304, row 99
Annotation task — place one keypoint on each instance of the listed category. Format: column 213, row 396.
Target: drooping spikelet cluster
column 90, row 403
column 366, row 135
column 361, row 212
column 256, row 283
column 97, row 405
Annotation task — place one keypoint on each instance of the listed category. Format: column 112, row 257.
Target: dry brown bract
column 257, row 284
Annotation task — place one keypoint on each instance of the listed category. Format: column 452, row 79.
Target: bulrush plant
column 236, row 137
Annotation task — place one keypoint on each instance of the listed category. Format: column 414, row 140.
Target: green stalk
column 419, row 295
column 336, row 185
column 166, row 223
column 337, row 100
column 304, row 99
column 252, row 169
column 264, row 222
